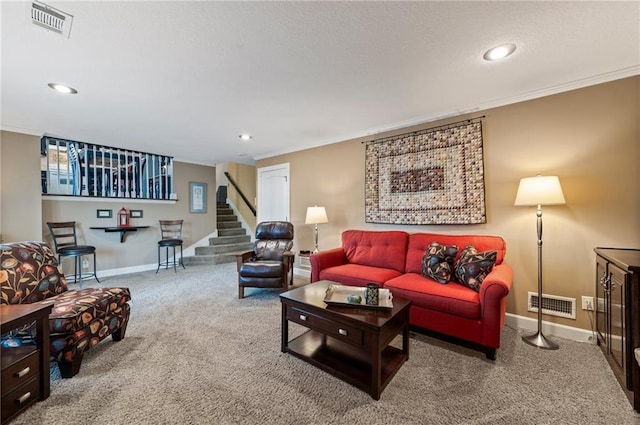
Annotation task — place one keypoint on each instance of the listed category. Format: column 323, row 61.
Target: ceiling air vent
column 50, row 18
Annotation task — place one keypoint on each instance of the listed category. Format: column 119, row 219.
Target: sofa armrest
column 325, row 259
column 242, row 257
column 497, row 284
column 493, row 303
column 288, row 258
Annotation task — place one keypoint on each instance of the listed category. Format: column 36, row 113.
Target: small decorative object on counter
column 354, row 299
column 123, row 218
column 371, row 294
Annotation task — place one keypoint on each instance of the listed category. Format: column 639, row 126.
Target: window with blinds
column 84, row 169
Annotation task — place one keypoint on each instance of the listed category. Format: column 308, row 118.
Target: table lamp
column 316, row 215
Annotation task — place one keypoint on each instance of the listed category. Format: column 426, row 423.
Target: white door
column 273, row 193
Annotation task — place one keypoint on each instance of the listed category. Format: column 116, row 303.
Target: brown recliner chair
column 271, row 261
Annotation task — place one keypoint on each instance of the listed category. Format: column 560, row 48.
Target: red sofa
column 393, row 259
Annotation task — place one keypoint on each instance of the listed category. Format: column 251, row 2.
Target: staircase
column 231, row 238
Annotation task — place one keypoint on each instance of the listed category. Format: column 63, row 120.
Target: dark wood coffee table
column 350, row 343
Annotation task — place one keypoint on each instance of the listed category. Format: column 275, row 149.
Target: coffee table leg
column 405, row 337
column 42, row 331
column 285, row 329
column 376, row 365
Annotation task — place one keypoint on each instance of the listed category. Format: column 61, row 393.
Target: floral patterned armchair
column 30, row 273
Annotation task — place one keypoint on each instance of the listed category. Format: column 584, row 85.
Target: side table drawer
column 337, row 330
column 20, row 398
column 20, row 372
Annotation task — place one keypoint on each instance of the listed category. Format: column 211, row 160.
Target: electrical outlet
column 587, row 303
column 85, row 266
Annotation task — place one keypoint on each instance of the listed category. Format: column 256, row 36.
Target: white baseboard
column 551, row 329
column 127, row 270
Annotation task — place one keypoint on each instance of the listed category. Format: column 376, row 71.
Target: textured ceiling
column 186, row 78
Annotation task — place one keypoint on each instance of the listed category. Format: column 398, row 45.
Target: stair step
column 223, row 249
column 232, row 238
column 229, row 225
column 223, row 218
column 232, row 232
column 225, row 240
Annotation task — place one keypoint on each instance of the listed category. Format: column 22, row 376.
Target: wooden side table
column 25, row 369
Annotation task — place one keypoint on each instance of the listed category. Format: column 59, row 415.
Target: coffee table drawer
column 20, row 398
column 328, row 327
column 22, row 370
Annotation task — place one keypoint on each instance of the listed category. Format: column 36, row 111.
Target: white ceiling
column 186, row 78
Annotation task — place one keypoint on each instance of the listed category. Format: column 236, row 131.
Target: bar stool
column 170, row 237
column 65, row 244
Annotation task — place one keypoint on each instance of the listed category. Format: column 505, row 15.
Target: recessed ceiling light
column 61, row 88
column 499, row 52
column 245, row 137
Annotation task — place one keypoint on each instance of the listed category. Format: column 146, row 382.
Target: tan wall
column 245, row 177
column 19, row 187
column 25, row 212
column 139, row 248
column 588, row 137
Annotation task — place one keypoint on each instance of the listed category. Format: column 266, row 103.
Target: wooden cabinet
column 25, row 369
column 618, row 314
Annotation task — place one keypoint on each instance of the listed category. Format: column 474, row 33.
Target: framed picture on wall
column 104, row 213
column 135, row 213
column 197, row 197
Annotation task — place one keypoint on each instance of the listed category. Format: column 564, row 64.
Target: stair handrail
column 237, row 188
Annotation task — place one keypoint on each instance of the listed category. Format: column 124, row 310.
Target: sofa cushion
column 419, row 242
column 473, row 266
column 261, row 269
column 29, row 272
column 74, row 310
column 438, row 262
column 385, row 249
column 452, row 299
column 358, row 275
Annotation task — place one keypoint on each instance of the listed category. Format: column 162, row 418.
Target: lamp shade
column 539, row 190
column 316, row 215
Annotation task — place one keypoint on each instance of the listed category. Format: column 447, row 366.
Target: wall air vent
column 49, row 18
column 553, row 305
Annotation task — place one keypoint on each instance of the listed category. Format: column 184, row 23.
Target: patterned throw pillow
column 437, row 262
column 472, row 267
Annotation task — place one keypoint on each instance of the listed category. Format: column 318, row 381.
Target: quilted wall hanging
column 434, row 176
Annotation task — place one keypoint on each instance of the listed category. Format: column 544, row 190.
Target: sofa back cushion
column 419, row 243
column 387, row 249
column 29, row 272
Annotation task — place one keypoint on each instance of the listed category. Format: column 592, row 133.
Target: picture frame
column 135, row 213
column 104, row 213
column 197, row 197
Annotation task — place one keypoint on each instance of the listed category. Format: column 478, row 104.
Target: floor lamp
column 538, row 191
column 316, row 215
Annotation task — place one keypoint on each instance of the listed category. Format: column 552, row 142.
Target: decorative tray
column 337, row 295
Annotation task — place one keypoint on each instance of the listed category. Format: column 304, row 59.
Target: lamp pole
column 538, row 339
column 316, row 250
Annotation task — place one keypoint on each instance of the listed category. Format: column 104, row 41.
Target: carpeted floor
column 195, row 354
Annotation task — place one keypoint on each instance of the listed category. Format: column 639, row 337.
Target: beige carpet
column 195, row 354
